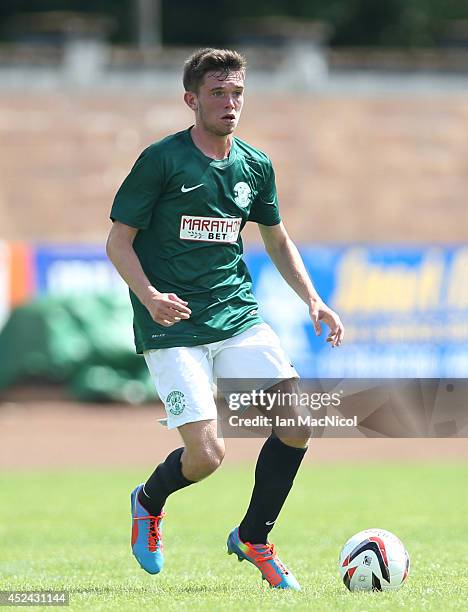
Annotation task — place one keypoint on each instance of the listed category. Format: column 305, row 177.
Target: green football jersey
column 190, row 210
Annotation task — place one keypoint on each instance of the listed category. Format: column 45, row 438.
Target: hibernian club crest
column 175, row 402
column 242, row 194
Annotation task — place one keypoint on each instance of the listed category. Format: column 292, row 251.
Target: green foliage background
column 402, row 23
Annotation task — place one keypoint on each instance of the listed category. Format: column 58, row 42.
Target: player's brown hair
column 223, row 61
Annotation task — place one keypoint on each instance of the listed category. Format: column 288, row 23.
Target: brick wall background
column 348, row 168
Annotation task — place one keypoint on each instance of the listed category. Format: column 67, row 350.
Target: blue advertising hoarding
column 405, row 309
column 72, row 270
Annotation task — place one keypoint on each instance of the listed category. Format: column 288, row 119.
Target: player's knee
column 205, row 465
column 298, row 436
column 295, row 431
column 295, row 442
column 211, row 460
column 204, row 461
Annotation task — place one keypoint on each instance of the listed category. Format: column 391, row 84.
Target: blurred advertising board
column 4, row 281
column 16, row 276
column 405, row 308
column 73, row 270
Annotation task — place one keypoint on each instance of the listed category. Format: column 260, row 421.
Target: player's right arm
column 164, row 308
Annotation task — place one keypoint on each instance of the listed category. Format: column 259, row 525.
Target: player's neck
column 216, row 147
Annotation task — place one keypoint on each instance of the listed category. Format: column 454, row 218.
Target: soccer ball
column 374, row 560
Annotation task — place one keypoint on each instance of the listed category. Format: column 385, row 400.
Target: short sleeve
column 265, row 209
column 135, row 200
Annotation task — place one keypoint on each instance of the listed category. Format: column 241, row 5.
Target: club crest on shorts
column 175, row 402
column 242, row 194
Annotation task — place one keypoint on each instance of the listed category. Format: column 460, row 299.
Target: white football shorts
column 184, row 375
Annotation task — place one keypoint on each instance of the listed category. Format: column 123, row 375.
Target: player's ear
column 191, row 100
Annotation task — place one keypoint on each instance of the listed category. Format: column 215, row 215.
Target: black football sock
column 166, row 479
column 277, row 466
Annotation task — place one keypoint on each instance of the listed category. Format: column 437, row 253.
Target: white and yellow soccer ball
column 374, row 560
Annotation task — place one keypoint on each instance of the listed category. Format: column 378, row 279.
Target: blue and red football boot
column 147, row 544
column 264, row 557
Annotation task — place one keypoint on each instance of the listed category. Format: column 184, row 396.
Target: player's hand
column 167, row 308
column 321, row 312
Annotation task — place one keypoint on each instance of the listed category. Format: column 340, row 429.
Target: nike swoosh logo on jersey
column 184, row 189
column 270, row 522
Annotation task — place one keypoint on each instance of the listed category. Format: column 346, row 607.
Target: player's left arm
column 287, row 259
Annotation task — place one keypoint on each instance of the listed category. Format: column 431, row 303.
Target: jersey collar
column 215, row 163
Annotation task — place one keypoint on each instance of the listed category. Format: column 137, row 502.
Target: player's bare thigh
column 204, row 450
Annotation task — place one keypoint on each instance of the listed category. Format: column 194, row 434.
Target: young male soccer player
column 176, row 242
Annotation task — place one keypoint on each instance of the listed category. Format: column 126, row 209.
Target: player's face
column 219, row 102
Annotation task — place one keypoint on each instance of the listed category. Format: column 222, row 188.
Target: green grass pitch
column 70, row 530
